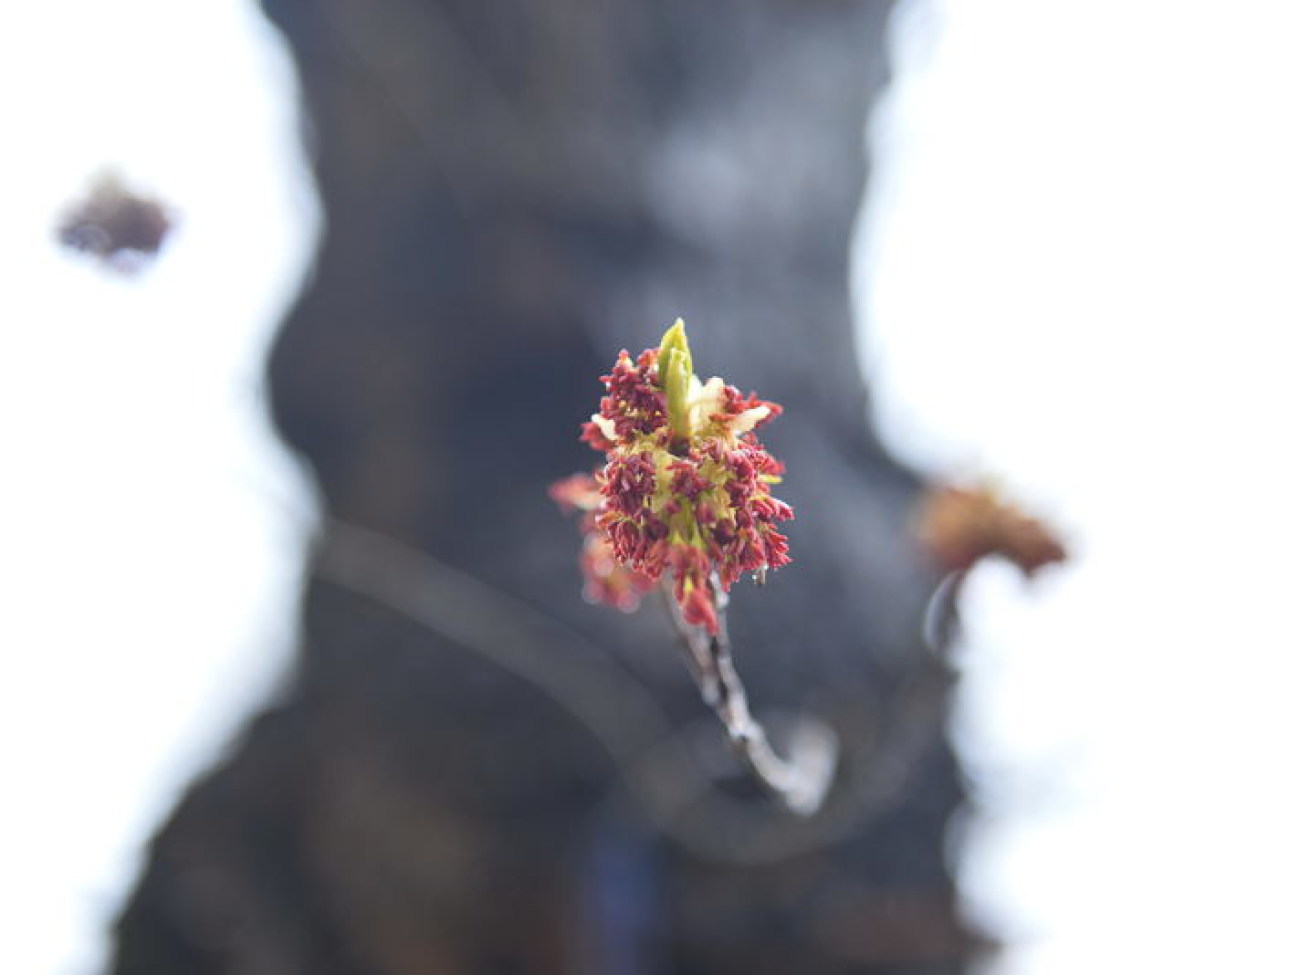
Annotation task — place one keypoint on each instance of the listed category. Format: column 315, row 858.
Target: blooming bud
column 685, row 489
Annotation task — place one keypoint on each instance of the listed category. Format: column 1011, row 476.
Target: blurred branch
column 941, row 619
column 656, row 760
column 659, row 761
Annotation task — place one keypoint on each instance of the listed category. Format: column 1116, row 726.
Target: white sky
column 1082, row 260
column 1085, row 229
column 148, row 576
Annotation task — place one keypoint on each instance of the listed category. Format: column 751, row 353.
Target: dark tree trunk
column 513, row 192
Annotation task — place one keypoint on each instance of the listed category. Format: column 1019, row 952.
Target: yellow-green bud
column 675, row 372
column 675, row 338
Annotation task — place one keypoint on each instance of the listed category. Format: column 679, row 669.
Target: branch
column 657, row 761
column 940, row 620
column 801, row 782
column 699, row 661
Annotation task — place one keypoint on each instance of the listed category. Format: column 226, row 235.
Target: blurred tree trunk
column 514, row 191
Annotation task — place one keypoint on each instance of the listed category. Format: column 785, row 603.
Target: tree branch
column 802, row 781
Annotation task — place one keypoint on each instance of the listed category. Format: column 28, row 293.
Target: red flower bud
column 685, row 488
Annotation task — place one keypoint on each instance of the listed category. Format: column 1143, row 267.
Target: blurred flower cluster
column 120, row 226
column 960, row 526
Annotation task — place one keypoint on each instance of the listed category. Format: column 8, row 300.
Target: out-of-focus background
column 149, row 569
column 1077, row 270
column 1074, row 271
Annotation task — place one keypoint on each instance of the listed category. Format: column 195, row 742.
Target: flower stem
column 801, row 782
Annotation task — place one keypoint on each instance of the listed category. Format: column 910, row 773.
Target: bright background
column 1079, row 275
column 147, row 564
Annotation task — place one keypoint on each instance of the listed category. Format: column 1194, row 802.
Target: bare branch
column 802, row 781
column 940, row 621
column 656, row 761
column 698, row 658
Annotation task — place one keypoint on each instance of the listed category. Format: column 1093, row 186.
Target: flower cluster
column 606, row 580
column 120, row 226
column 685, row 488
column 959, row 526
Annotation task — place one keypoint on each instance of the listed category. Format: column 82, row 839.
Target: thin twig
column 940, row 620
column 801, row 782
column 698, row 659
column 656, row 761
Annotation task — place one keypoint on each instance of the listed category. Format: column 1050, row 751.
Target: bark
column 472, row 770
